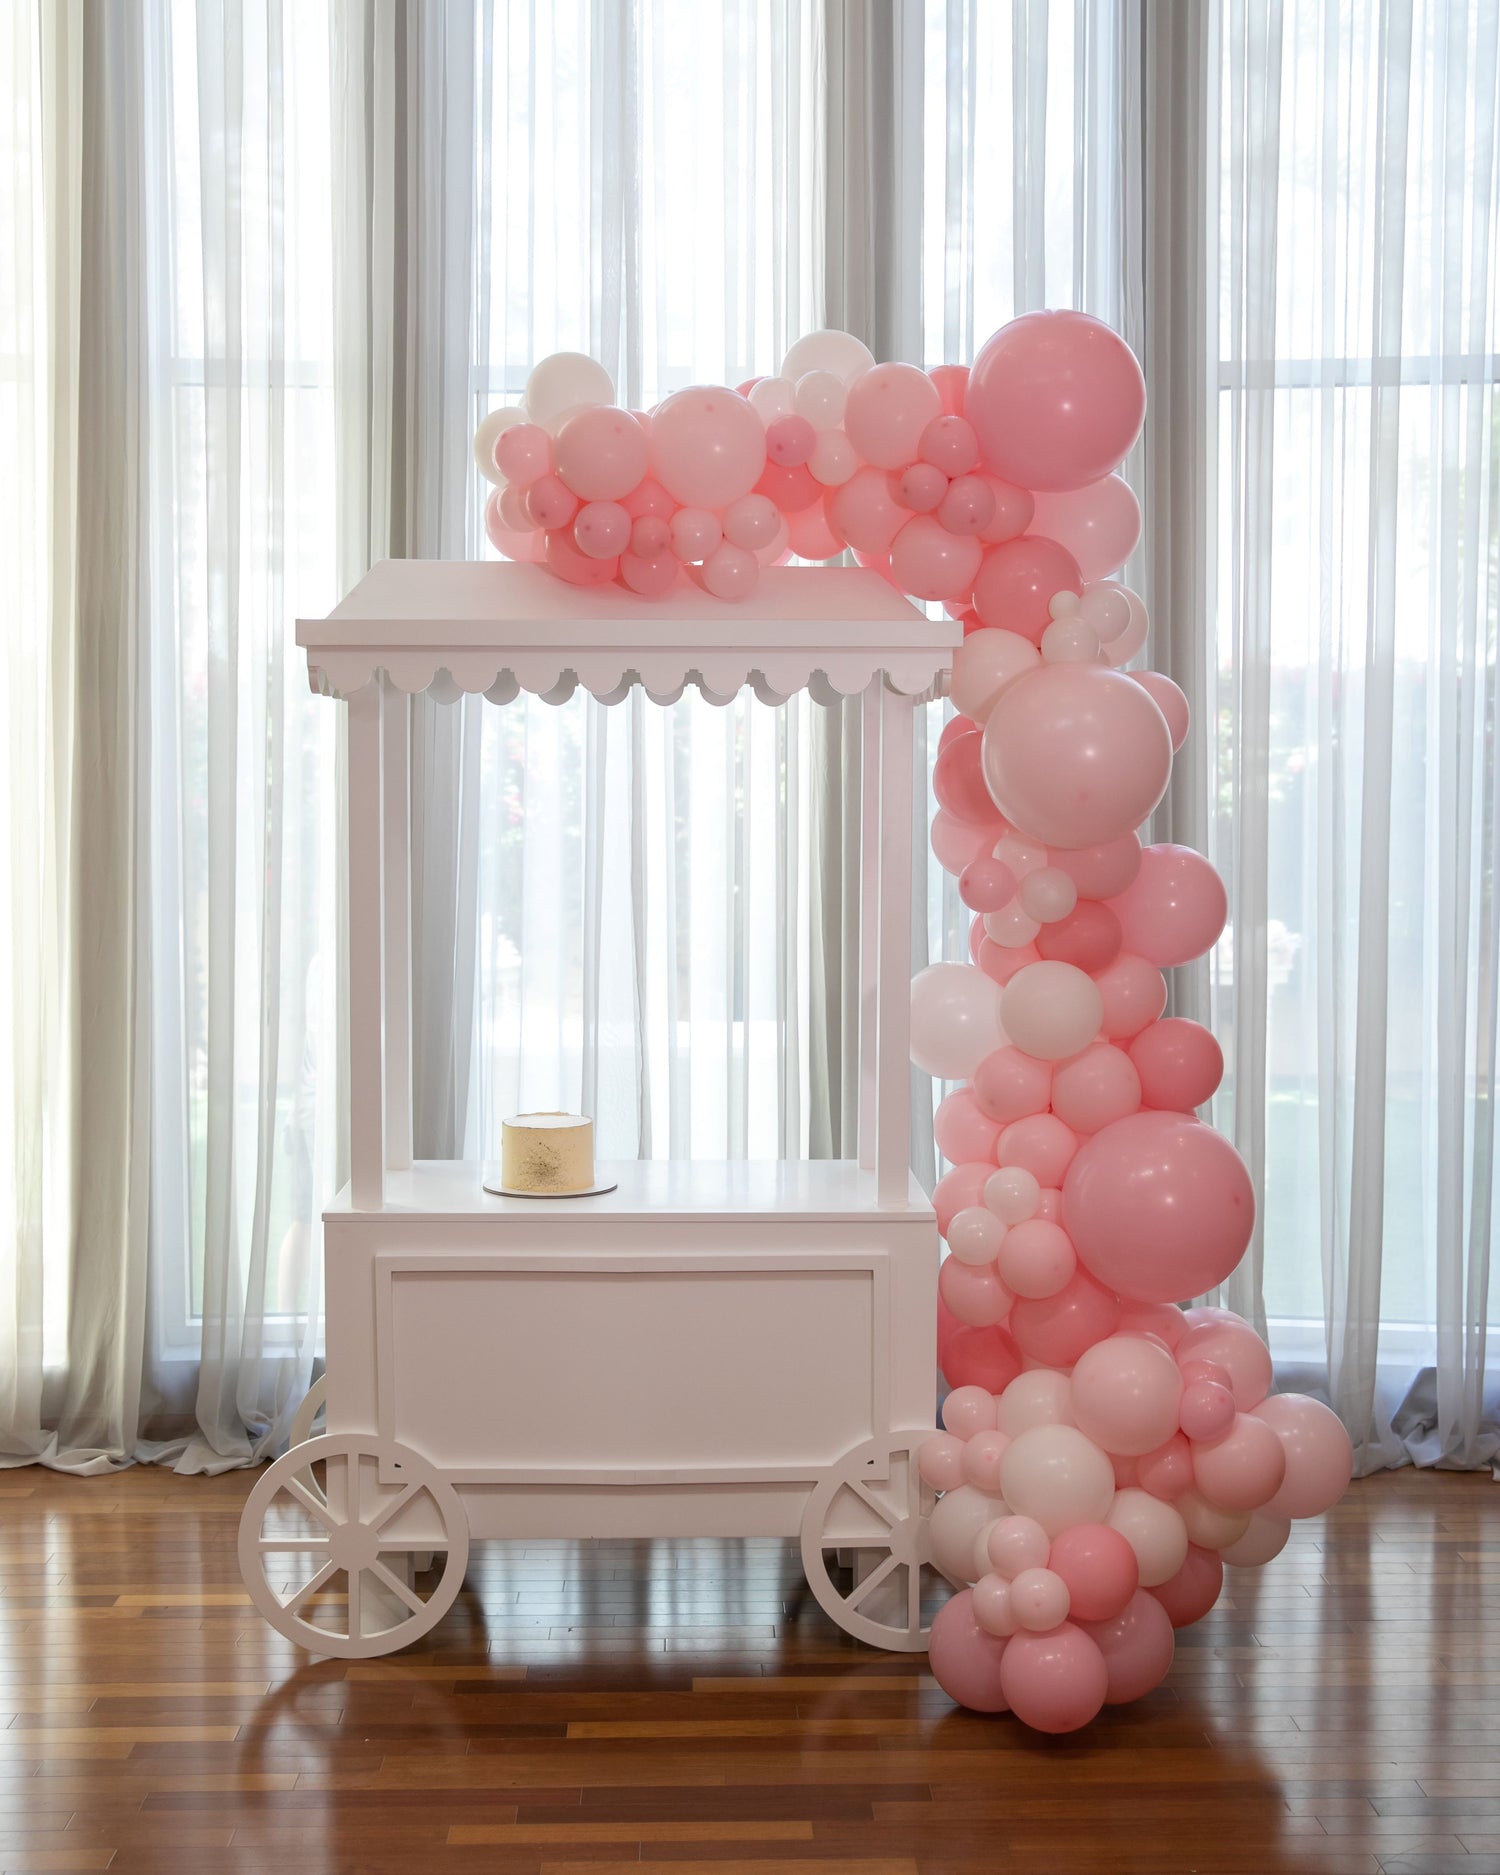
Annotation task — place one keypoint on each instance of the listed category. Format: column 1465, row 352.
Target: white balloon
column 1051, row 1010
column 1153, row 1530
column 1040, row 1397
column 773, row 398
column 491, row 429
column 983, row 665
column 957, row 1519
column 833, row 460
column 820, row 397
column 829, row 350
column 563, row 382
column 1058, row 1476
column 955, row 1020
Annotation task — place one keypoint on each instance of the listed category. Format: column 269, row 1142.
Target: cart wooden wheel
column 313, row 1402
column 303, row 1540
column 873, row 1501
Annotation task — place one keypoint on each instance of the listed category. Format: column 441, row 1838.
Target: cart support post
column 869, row 916
column 395, row 732
column 893, row 1130
column 366, row 954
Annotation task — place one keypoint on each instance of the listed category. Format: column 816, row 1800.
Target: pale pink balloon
column 1016, row 580
column 1076, row 755
column 984, row 665
column 949, row 443
column 523, row 452
column 514, row 509
column 992, row 1609
column 968, row 1411
column 864, row 512
column 602, row 530
column 1014, row 1544
column 1244, row 1468
column 1013, row 508
column 1038, row 1397
column 1188, row 1595
column 1100, row 525
column 695, row 533
column 751, row 522
column 887, row 411
column 1132, row 993
column 986, row 884
column 1035, row 1259
column 1040, row 1144
column 650, row 536
column 1319, row 1455
column 957, row 844
column 1234, row 1345
column 930, row 563
column 1207, row 1525
column 707, row 446
column 1051, row 1010
column 1008, row 1085
column 1153, row 1529
column 1207, row 1410
column 940, row 1461
column 955, row 1020
column 1170, row 700
column 1057, row 1329
column 1179, row 1064
column 982, row 1456
column 962, row 1129
column 1056, row 400
column 1013, row 1194
column 730, row 572
column 975, row 1294
column 1055, row 1682
column 550, row 502
column 921, row 488
column 601, row 453
column 1126, row 1394
column 650, row 575
column 1096, row 1088
column 1039, row 1600
column 1101, row 871
column 1159, row 1207
column 965, row 1660
column 1175, row 908
column 1168, row 1471
column 1265, row 1539
column 957, row 1189
column 527, row 544
column 1099, row 1568
column 578, row 569
column 1137, row 1647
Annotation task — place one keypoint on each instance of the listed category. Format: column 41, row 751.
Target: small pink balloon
column 1179, row 1064
column 1036, row 1259
column 982, row 1357
column 930, row 563
column 975, row 1295
column 1243, row 1468
column 986, row 884
column 958, row 844
column 1137, row 1647
column 1099, row 1568
column 601, row 453
column 1190, row 1594
column 1234, row 1347
column 964, row 1659
column 1132, row 993
column 1168, row 1471
column 967, row 507
column 1088, row 938
column 730, row 572
column 1076, row 755
column 550, row 502
column 1017, row 579
column 949, row 444
column 1056, row 400
column 650, row 575
column 650, row 535
column 1039, row 1600
column 968, row 1411
column 1039, row 1143
column 1207, row 1410
column 1014, row 1544
column 941, row 1461
column 962, row 1129
column 1057, row 1329
column 1169, row 699
column 695, row 534
column 1319, row 1456
column 523, row 452
column 1100, row 525
column 921, row 487
column 790, row 441
column 707, row 446
column 981, row 1463
column 1175, row 908
column 1159, row 1207
column 864, row 512
column 1009, row 1085
column 1096, row 1088
column 1055, row 1682
column 992, row 1607
column 889, row 407
column 602, row 530
column 578, row 569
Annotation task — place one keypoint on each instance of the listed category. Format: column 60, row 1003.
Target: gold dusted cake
column 547, row 1152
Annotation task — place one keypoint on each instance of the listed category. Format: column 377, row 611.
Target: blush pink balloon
column 1266, row 1538
column 1179, row 1064
column 810, row 536
column 986, row 884
column 578, row 569
column 1016, row 580
column 981, row 1357
column 1191, row 1593
column 930, row 563
column 1168, row 1324
column 650, row 575
column 941, row 1461
column 1168, row 1471
column 1319, row 1456
column 550, row 502
column 1174, row 909
column 949, row 444
column 1137, row 1646
column 888, row 409
column 1013, row 508
column 964, row 1659
column 1036, row 1259
column 962, row 1130
column 1096, row 1088
column 1100, row 525
column 968, row 1411
column 1132, row 993
column 1009, row 1085
column 650, row 535
column 1244, row 1468
column 1232, row 1345
column 957, row 1189
column 523, row 452
column 1056, row 400
column 957, row 844
column 1056, row 1329
column 1101, row 871
column 1207, row 1410
column 695, row 533
column 1159, row 1207
column 1075, row 755
column 1126, row 1394
column 601, row 453
column 975, row 1295
column 526, row 544
column 1055, row 1682
column 792, row 490
column 707, row 446
column 959, row 785
column 1170, row 700
column 967, row 507
column 921, row 488
column 731, row 572
column 864, row 512
column 1099, row 1568
column 951, row 382
column 790, row 441
column 602, row 530
column 1088, row 938
column 1040, row 1144
column 981, row 1461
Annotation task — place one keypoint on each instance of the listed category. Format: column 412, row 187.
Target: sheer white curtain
column 1354, row 323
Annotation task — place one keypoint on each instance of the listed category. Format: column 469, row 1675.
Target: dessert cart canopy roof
column 453, row 627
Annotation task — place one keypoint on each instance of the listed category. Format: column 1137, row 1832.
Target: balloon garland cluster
column 1105, row 1451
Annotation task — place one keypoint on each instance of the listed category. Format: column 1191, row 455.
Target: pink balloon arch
column 1105, row 1451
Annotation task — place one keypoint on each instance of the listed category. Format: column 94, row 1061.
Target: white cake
column 547, row 1152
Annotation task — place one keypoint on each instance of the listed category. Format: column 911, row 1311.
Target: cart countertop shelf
column 455, row 627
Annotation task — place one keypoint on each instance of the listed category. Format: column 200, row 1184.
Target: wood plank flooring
column 587, row 1709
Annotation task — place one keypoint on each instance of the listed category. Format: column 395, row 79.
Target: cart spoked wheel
column 328, row 1558
column 874, row 1502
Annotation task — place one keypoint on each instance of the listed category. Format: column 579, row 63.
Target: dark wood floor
column 660, row 1707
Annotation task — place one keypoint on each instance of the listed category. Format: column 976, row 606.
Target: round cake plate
column 493, row 1185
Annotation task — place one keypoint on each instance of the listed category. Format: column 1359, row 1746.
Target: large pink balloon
column 1319, row 1456
column 601, row 453
column 1159, row 1207
column 1055, row 1682
column 1076, row 755
column 1099, row 525
column 708, row 447
column 1174, row 908
column 1016, row 580
column 1056, row 399
column 1137, row 1647
column 965, row 1660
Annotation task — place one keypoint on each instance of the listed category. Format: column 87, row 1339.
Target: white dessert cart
column 498, row 1367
